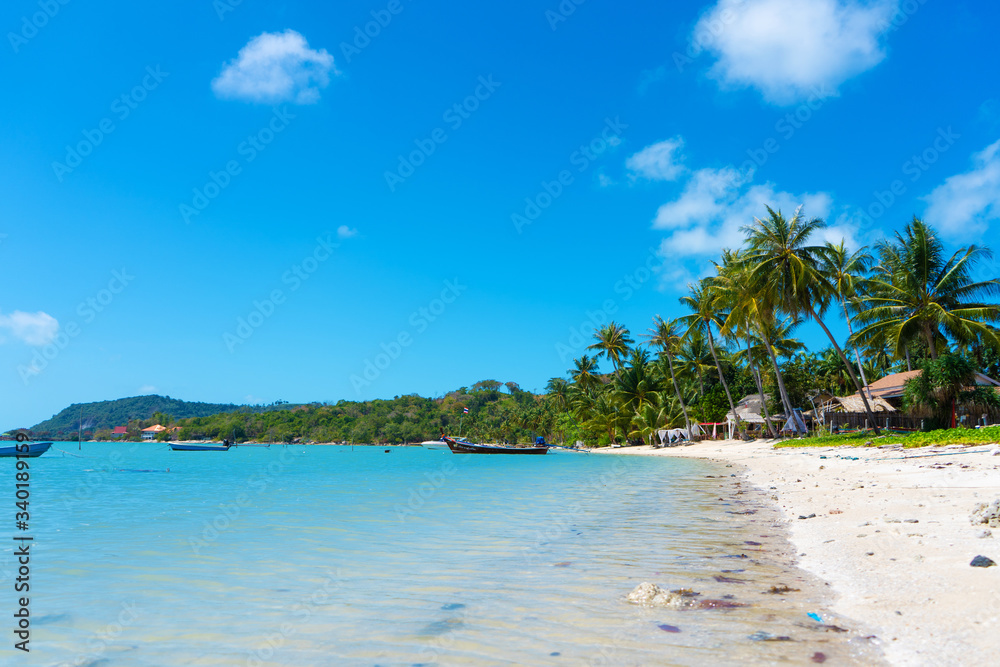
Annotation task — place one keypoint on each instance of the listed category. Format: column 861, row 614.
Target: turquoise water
column 339, row 556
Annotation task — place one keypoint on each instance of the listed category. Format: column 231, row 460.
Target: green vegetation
column 513, row 415
column 952, row 436
column 137, row 413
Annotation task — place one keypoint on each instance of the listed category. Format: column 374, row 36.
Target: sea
column 367, row 555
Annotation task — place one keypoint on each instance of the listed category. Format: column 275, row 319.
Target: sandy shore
column 892, row 537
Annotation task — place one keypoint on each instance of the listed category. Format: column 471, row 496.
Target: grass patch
column 952, row 436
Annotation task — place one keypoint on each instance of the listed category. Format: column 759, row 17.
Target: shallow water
column 339, row 556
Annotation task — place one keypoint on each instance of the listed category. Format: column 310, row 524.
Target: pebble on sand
column 982, row 561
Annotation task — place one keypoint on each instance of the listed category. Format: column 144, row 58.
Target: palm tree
column 787, row 271
column 558, row 389
column 664, row 336
column 847, row 274
column 635, row 384
column 746, row 314
column 694, row 358
column 613, row 342
column 702, row 302
column 584, row 373
column 916, row 292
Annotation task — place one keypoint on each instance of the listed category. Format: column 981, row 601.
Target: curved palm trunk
column 785, row 401
column 847, row 364
column 722, row 378
column 850, row 329
column 760, row 389
column 677, row 390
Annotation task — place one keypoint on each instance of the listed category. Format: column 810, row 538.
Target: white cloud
column 147, row 389
column 792, row 49
column 345, row 232
column 714, row 204
column 965, row 204
column 276, row 67
column 658, row 162
column 35, row 329
column 707, row 193
column 709, row 221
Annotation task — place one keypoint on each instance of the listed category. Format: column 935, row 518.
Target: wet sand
column 891, row 536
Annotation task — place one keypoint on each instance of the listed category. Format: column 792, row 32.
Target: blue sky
column 250, row 202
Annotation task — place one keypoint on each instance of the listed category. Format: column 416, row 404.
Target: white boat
column 26, row 449
column 434, row 444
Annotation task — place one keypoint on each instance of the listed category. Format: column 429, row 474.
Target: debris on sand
column 651, row 595
column 988, row 513
column 781, row 589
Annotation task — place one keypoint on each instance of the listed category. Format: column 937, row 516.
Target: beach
column 891, row 537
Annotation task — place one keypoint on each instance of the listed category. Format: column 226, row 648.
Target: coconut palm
column 584, row 373
column 665, row 336
column 704, row 315
column 558, row 389
column 917, row 292
column 694, row 358
column 748, row 317
column 847, row 273
column 635, row 385
column 613, row 342
column 787, row 271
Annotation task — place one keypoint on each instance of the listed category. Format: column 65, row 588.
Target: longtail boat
column 463, row 447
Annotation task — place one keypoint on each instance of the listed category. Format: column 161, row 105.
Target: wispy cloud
column 965, row 204
column 276, row 67
column 147, row 389
column 35, row 329
column 345, row 232
column 658, row 162
column 787, row 49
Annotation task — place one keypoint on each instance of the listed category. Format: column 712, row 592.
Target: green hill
column 108, row 414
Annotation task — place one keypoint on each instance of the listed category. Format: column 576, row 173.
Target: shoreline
column 891, row 537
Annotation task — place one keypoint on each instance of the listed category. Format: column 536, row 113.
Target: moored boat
column 196, row 447
column 29, row 449
column 434, row 444
column 463, row 447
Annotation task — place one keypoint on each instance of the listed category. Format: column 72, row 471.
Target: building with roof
column 890, row 389
column 153, row 431
column 119, row 432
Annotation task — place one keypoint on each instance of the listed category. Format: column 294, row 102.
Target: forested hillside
column 105, row 415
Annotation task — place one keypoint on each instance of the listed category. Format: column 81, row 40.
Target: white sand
column 910, row 582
